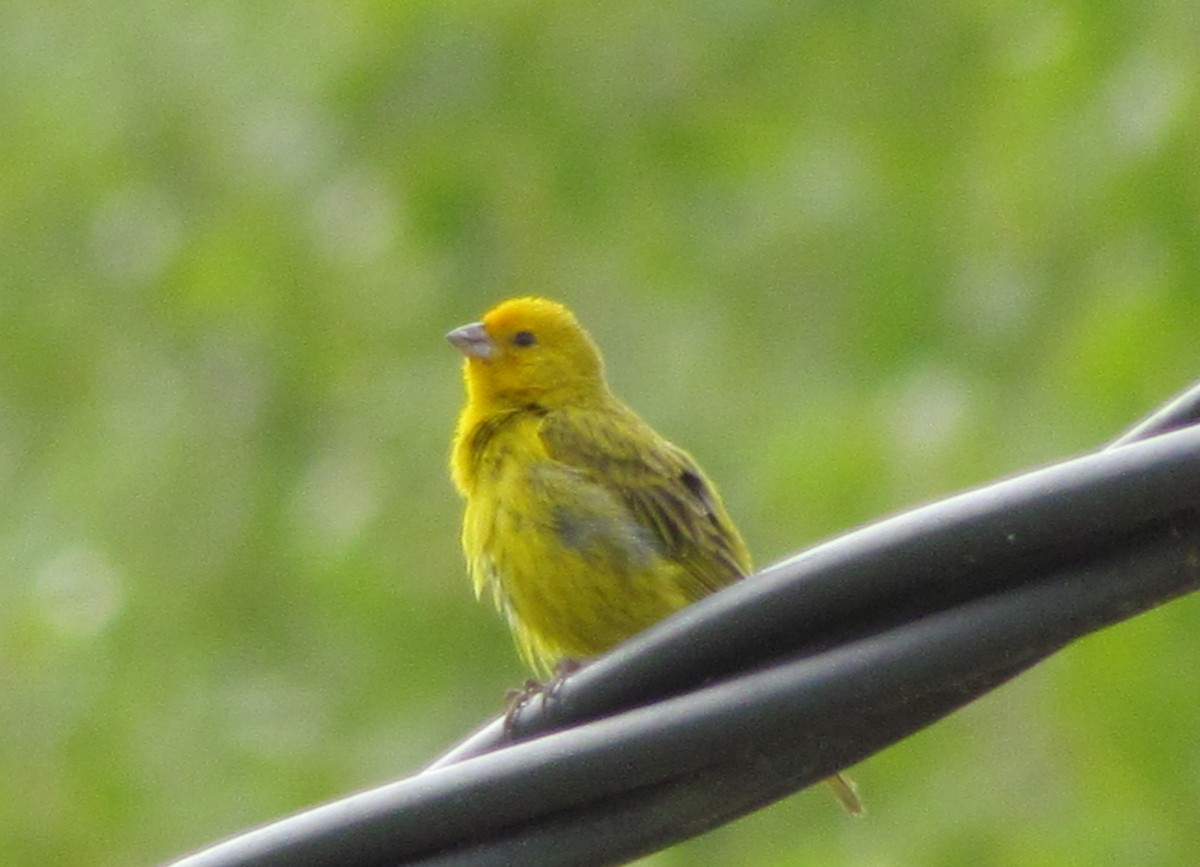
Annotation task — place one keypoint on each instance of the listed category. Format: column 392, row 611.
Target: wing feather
column 661, row 485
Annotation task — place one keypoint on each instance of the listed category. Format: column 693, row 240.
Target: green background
column 854, row 256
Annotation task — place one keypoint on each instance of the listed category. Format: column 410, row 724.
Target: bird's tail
column 846, row 793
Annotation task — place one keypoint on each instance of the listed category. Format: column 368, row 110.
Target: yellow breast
column 568, row 565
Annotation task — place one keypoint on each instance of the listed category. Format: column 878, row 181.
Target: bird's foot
column 515, row 699
column 563, row 669
column 518, row 698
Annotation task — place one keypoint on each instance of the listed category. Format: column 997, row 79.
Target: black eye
column 524, row 338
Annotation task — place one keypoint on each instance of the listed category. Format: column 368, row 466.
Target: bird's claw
column 516, row 699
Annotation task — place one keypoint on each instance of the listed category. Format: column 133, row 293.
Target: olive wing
column 660, row 484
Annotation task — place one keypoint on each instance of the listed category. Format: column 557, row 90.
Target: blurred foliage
column 853, row 255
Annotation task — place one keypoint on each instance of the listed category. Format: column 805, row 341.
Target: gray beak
column 472, row 341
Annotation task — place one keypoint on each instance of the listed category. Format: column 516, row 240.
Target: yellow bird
column 583, row 523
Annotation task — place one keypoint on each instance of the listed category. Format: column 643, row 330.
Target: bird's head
column 530, row 351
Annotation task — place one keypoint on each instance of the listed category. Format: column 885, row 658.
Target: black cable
column 773, row 683
column 1180, row 412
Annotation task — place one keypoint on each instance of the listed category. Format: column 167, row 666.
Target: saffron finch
column 582, row 522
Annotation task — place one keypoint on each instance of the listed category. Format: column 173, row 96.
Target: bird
column 582, row 522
